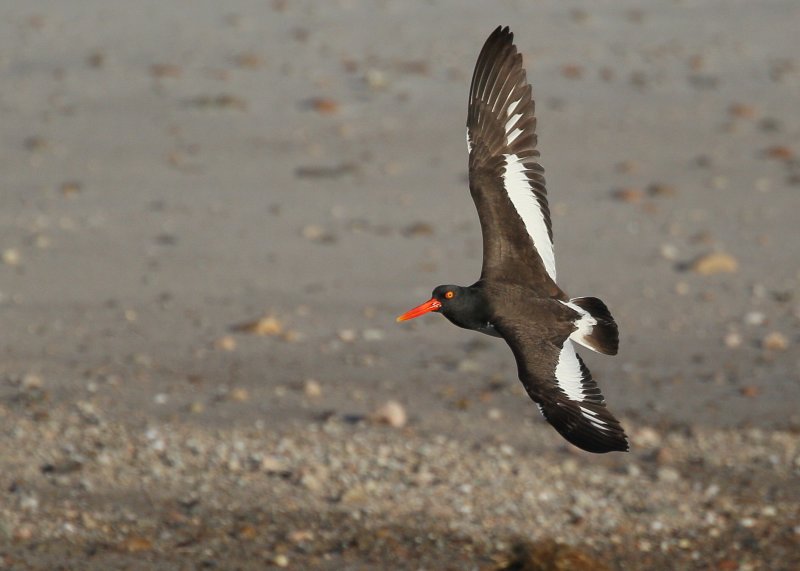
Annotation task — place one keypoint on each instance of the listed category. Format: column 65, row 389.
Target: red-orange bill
column 430, row 305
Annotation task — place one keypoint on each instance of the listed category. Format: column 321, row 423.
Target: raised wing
column 556, row 379
column 506, row 182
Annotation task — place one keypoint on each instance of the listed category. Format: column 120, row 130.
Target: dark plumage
column 517, row 297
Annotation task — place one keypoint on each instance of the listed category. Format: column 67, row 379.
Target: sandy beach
column 211, row 214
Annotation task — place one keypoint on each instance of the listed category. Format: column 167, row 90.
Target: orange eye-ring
column 449, row 295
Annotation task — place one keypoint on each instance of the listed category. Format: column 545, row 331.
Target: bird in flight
column 517, row 296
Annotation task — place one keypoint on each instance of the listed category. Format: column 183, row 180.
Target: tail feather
column 597, row 329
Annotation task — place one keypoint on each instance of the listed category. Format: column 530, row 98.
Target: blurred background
column 211, row 213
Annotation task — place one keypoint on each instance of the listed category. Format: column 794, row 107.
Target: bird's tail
column 596, row 328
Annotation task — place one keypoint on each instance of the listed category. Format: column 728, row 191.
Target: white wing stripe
column 511, row 123
column 527, row 206
column 591, row 416
column 511, row 132
column 568, row 372
column 512, row 136
column 569, row 378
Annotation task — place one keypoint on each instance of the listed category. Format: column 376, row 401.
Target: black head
column 453, row 299
column 463, row 306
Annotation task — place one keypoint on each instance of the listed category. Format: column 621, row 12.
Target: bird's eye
column 450, row 295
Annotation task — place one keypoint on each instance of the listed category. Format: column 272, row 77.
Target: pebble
column 750, row 391
column 629, row 195
column 742, row 111
column 29, row 503
column 161, row 70
column 418, row 229
column 775, row 341
column 714, row 263
column 324, row 105
column 423, row 478
column 35, row 143
column 269, row 325
column 197, row 407
column 23, row 533
column 656, row 525
column 719, row 182
column 347, row 335
column 247, row 531
column 135, row 544
column 273, row 465
column 376, row 79
column 239, row 394
column 70, row 188
column 248, row 60
column 669, row 252
column 312, row 388
column 779, row 152
column 733, row 340
column 755, row 318
column 647, row 437
column 355, row 495
column 661, row 190
column 11, row 257
column 225, row 343
column 391, row 413
column 469, row 366
column 572, row 71
column 31, row 381
column 292, row 336
column 626, row 167
column 373, row 335
column 300, row 536
column 312, row 232
column 682, row 288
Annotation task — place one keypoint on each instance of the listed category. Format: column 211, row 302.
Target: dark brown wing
column 506, row 182
column 556, row 379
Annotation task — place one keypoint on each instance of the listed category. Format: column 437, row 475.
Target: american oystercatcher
column 516, row 297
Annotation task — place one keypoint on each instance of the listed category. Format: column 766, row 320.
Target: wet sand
column 171, row 172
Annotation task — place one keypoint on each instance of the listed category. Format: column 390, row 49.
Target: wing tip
column 597, row 432
column 500, row 40
column 502, row 36
column 505, row 31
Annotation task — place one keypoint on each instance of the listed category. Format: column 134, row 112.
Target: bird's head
column 445, row 299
